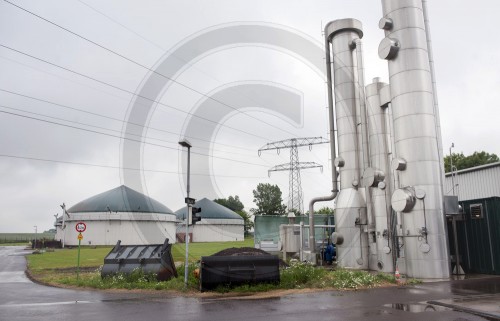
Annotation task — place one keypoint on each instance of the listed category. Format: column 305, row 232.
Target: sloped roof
column 210, row 210
column 120, row 199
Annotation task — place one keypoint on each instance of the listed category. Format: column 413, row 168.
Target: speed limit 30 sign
column 80, row 227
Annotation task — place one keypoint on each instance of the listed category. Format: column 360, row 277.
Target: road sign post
column 80, row 237
column 80, row 227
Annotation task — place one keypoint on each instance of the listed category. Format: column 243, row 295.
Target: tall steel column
column 295, row 200
column 417, row 161
column 378, row 179
column 350, row 214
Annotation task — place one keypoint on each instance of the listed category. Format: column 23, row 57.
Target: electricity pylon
column 295, row 200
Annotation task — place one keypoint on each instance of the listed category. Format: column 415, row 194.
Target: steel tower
column 295, row 199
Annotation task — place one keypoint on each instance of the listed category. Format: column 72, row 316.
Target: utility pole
column 451, row 169
column 295, row 200
column 185, row 143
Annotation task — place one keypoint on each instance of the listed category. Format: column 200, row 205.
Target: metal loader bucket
column 154, row 258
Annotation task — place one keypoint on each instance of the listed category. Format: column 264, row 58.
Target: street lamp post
column 185, row 143
column 451, row 170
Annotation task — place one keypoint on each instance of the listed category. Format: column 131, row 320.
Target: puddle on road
column 416, row 307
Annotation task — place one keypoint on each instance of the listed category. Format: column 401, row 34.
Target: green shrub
column 300, row 275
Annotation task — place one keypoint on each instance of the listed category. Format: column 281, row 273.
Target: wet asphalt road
column 20, row 299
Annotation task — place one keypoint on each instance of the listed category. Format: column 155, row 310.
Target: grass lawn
column 197, row 250
column 58, row 268
column 94, row 257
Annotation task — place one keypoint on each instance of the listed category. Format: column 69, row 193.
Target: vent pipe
column 333, row 148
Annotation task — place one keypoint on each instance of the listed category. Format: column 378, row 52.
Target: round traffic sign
column 80, row 227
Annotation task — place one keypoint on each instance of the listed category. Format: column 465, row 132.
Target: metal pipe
column 360, row 85
column 434, row 89
column 364, row 151
column 436, row 110
column 312, row 238
column 186, row 264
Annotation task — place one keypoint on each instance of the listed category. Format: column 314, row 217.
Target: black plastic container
column 237, row 270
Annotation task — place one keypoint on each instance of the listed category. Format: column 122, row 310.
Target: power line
column 114, row 130
column 123, row 26
column 126, row 138
column 171, row 54
column 139, row 64
column 142, row 66
column 118, row 167
column 129, row 92
column 116, row 119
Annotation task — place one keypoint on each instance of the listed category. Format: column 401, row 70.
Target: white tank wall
column 218, row 233
column 215, row 230
column 131, row 228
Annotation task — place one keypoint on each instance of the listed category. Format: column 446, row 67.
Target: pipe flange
column 425, row 248
column 372, row 177
column 403, row 200
column 420, row 194
column 337, row 238
column 339, row 162
column 398, row 164
column 388, row 48
column 385, row 24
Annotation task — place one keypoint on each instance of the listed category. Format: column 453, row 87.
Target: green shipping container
column 478, row 236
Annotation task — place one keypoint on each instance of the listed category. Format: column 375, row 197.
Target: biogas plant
column 388, row 172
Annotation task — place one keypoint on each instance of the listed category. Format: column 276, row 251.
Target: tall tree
column 460, row 161
column 268, row 199
column 249, row 224
column 233, row 203
column 325, row 210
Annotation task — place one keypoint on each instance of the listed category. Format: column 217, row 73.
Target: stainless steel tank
column 418, row 195
column 350, row 213
column 378, row 179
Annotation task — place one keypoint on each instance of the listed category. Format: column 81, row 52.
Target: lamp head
column 185, row 143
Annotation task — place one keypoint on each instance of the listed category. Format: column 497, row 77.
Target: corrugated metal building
column 478, row 228
column 218, row 224
column 119, row 214
column 474, row 183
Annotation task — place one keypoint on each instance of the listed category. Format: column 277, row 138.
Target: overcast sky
column 76, row 151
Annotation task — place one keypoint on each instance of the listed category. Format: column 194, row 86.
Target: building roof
column 120, row 199
column 210, row 210
column 473, row 169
